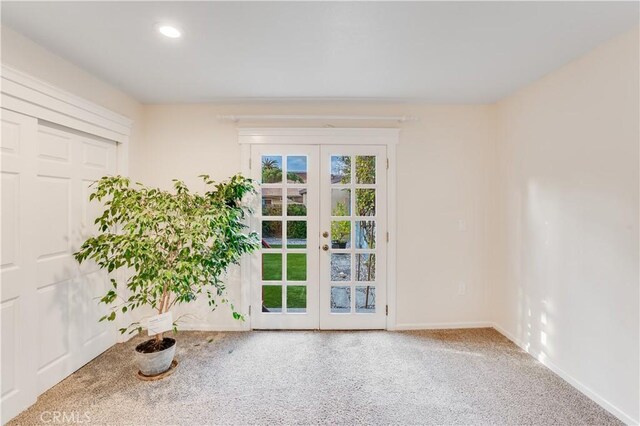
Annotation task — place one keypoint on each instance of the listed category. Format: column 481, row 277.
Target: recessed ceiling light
column 169, row 31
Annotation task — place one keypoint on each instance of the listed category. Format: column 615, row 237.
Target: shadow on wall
column 537, row 264
column 568, row 254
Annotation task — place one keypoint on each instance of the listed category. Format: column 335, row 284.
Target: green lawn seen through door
column 296, row 271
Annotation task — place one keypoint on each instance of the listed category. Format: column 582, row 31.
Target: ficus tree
column 176, row 244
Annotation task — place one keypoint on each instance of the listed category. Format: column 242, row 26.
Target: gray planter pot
column 154, row 363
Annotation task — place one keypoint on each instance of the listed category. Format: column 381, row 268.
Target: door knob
column 325, row 247
column 325, row 234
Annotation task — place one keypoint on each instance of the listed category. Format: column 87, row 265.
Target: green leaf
column 178, row 242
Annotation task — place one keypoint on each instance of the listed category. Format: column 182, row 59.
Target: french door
column 321, row 215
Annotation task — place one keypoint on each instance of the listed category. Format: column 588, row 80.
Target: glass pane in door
column 297, row 169
column 365, row 299
column 340, row 202
column 340, row 234
column 340, row 299
column 296, row 267
column 271, row 169
column 365, row 169
column 271, row 201
column 365, row 234
column 271, row 266
column 340, row 169
column 271, row 234
column 365, row 267
column 271, row 298
column 365, row 202
column 340, row 267
column 296, row 298
column 296, row 234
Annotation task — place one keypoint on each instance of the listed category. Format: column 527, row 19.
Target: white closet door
column 67, row 311
column 17, row 151
column 49, row 304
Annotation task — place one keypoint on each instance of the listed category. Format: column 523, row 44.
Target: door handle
column 325, row 247
column 325, row 234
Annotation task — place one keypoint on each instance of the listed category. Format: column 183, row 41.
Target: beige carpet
column 423, row 377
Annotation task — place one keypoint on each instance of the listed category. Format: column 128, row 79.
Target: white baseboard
column 570, row 379
column 441, row 325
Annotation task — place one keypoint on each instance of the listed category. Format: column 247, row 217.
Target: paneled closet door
column 68, row 331
column 17, row 270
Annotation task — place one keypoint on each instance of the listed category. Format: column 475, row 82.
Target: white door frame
column 36, row 100
column 329, row 136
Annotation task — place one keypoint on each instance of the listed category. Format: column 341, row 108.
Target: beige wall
column 568, row 148
column 442, row 178
column 24, row 55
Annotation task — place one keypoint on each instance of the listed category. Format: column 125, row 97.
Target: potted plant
column 175, row 247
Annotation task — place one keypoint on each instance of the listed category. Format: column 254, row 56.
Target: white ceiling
column 455, row 52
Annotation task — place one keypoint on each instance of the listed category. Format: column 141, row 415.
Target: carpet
column 445, row 377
